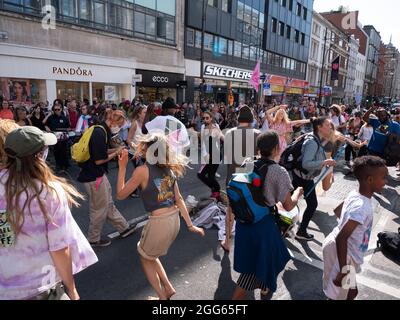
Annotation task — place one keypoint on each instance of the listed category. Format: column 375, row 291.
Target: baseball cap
column 26, row 141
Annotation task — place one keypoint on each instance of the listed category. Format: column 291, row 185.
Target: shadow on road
column 226, row 285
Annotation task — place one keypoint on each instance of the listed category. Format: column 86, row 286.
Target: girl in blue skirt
column 260, row 253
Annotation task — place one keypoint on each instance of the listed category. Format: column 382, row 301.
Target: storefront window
column 70, row 89
column 23, row 91
column 154, row 94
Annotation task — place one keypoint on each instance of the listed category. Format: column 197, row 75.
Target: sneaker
column 131, row 229
column 101, row 243
column 303, row 235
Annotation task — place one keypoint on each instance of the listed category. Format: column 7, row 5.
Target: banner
column 255, row 78
column 335, row 69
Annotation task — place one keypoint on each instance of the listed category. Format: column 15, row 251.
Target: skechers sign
column 221, row 72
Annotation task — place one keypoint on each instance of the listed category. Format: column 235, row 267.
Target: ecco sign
column 159, row 79
column 221, row 72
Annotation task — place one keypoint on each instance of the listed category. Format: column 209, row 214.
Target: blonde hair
column 285, row 118
column 175, row 162
column 21, row 183
column 6, row 126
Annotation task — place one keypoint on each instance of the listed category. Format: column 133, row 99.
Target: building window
column 223, row 45
column 288, row 32
column 85, row 12
column 151, row 4
column 247, row 14
column 99, row 16
column 261, row 21
column 297, row 36
column 165, row 6
column 198, row 39
column 150, row 26
column 208, row 41
column 170, row 31
column 274, row 25
column 230, row 48
column 213, row 3
column 67, row 8
column 290, row 5
column 240, row 10
column 245, row 52
column 304, row 13
column 281, row 28
column 190, row 37
column 298, row 9
column 140, row 22
column 237, row 49
column 253, row 53
column 303, row 39
column 227, row 6
column 283, row 3
column 254, row 18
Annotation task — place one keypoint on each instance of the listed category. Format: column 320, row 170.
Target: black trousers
column 207, row 176
column 349, row 152
column 363, row 151
column 311, row 200
column 61, row 154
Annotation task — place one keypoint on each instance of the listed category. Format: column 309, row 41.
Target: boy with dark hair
column 346, row 245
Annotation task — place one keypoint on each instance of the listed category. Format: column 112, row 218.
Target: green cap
column 26, row 141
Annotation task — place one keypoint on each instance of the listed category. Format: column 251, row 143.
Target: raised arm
column 299, row 122
column 368, row 113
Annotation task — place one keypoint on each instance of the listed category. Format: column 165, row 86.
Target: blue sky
column 384, row 15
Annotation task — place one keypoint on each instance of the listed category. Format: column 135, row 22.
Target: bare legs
column 226, row 244
column 158, row 279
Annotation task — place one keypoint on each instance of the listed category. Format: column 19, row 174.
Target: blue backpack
column 245, row 193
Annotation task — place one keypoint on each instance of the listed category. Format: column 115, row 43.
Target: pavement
column 200, row 270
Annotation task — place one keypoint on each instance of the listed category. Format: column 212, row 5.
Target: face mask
column 115, row 130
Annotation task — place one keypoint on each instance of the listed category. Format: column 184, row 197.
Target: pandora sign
column 222, row 72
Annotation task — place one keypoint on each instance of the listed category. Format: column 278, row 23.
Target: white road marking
column 141, row 221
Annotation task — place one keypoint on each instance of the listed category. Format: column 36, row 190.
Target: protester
column 237, row 147
column 211, row 137
column 35, row 215
column 93, row 175
column 5, row 111
column 37, row 117
column 157, row 180
column 313, row 160
column 260, row 253
column 345, row 247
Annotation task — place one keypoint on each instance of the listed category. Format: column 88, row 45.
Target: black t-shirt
column 57, row 123
column 38, row 123
column 98, row 148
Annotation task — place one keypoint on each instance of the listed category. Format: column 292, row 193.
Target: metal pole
column 322, row 69
column 203, row 25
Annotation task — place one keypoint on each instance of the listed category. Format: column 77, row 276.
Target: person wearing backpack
column 235, row 151
column 345, row 247
column 93, row 176
column 312, row 161
column 260, row 253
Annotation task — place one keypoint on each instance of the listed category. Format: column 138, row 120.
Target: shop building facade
column 94, row 49
column 240, row 33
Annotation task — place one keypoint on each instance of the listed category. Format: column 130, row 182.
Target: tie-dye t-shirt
column 26, row 267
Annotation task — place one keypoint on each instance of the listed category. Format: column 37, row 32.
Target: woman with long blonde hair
column 157, row 180
column 282, row 125
column 6, row 126
column 41, row 246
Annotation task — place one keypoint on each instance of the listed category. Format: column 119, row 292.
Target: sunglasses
column 57, row 109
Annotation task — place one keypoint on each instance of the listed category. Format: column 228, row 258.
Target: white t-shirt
column 358, row 208
column 338, row 122
column 366, row 133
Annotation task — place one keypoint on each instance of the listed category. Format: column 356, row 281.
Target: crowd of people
column 35, row 203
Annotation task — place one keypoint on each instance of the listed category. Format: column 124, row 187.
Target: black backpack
column 389, row 242
column 291, row 157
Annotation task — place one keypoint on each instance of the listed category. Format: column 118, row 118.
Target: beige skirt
column 158, row 235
